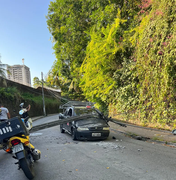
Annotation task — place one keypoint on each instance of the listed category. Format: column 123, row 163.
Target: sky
column 24, row 34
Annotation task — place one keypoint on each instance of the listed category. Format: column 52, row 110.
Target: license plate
column 96, row 134
column 17, row 148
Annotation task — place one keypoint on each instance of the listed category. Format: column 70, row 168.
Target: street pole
column 44, row 112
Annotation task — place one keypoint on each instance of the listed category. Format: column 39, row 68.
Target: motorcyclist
column 24, row 114
column 4, row 116
column 25, row 110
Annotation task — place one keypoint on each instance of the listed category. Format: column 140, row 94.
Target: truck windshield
column 84, row 111
column 95, row 121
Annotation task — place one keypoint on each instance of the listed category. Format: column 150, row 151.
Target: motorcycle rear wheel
column 27, row 166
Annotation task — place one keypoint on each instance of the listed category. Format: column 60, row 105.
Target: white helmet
column 21, row 105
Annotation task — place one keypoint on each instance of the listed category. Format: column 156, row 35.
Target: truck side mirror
column 61, row 116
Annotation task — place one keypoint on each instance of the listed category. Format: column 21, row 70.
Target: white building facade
column 20, row 74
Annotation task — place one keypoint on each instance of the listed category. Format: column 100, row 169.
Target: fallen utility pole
column 58, row 122
column 70, row 119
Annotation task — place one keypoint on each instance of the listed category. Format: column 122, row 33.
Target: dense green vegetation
column 38, row 99
column 9, row 93
column 3, row 70
column 119, row 54
column 12, row 92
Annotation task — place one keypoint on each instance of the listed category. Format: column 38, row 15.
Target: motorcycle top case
column 13, row 127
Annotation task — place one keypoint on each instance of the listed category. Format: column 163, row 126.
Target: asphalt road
column 122, row 158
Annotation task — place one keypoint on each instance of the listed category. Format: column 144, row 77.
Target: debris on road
column 112, row 145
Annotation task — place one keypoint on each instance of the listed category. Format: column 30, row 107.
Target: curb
column 137, row 126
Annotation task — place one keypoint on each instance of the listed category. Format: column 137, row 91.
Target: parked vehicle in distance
column 93, row 128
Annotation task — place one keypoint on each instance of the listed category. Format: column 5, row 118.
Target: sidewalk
column 144, row 133
column 38, row 117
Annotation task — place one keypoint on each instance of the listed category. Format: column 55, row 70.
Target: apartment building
column 20, row 74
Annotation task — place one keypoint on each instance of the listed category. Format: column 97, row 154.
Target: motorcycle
column 27, row 121
column 15, row 135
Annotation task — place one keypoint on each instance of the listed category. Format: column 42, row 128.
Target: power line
column 36, row 92
column 54, row 94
